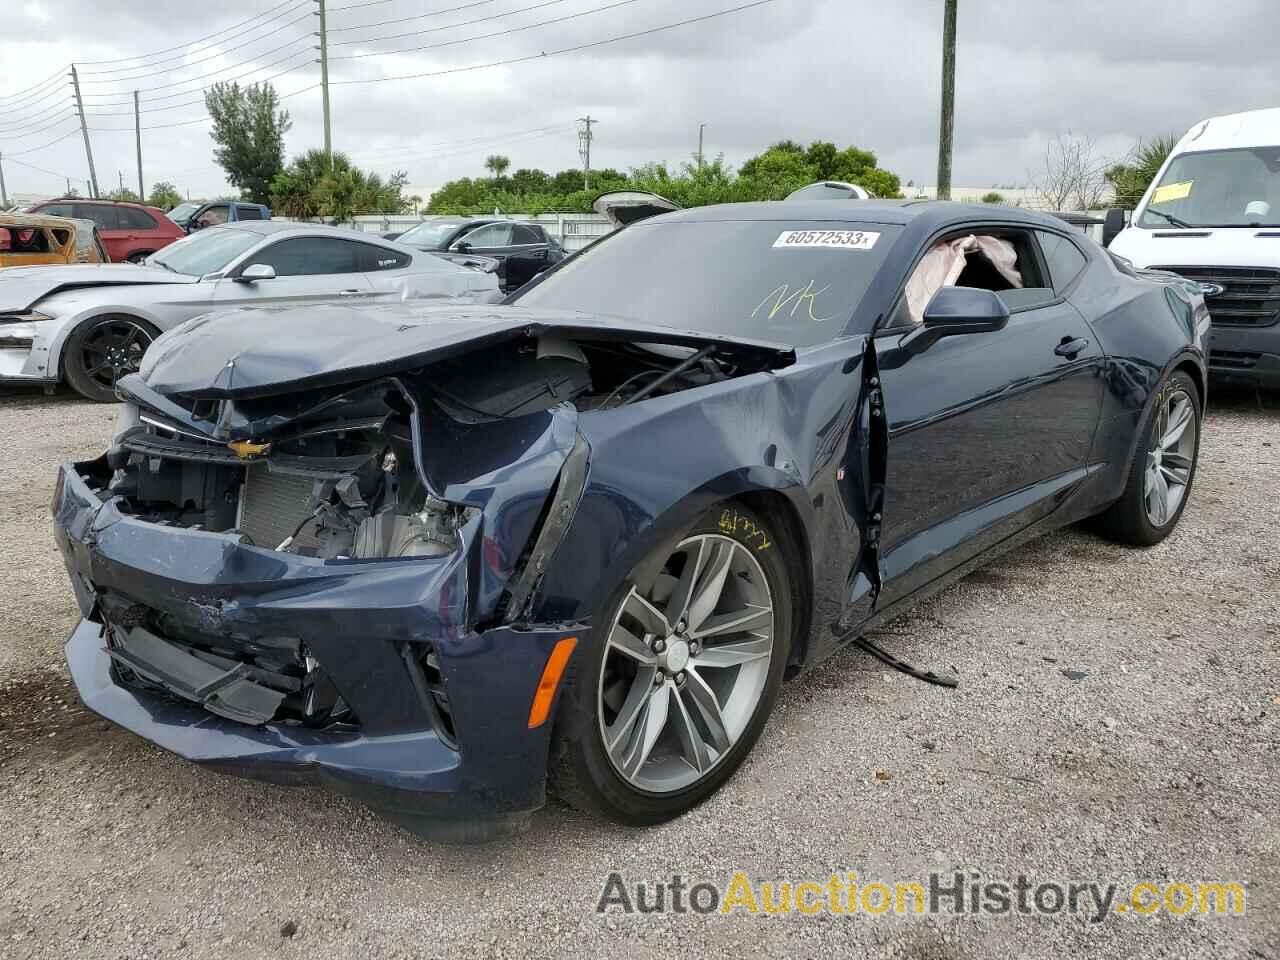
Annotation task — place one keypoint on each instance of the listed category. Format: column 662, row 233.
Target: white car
column 1212, row 215
column 89, row 324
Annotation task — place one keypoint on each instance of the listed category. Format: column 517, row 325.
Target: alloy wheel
column 1170, row 457
column 113, row 349
column 685, row 664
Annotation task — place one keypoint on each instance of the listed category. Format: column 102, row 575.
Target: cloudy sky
column 864, row 72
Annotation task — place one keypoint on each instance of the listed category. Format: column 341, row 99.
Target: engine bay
column 333, row 473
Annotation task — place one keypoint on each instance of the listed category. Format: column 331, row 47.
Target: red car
column 131, row 231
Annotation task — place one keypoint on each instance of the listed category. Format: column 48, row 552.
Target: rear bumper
column 365, row 622
column 1245, row 354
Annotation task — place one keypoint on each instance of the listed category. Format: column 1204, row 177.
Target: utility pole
column 120, row 174
column 137, row 136
column 947, row 124
column 4, row 194
column 701, row 127
column 584, row 149
column 84, row 129
column 324, row 80
column 68, row 186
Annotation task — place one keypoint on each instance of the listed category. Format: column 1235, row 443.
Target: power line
column 35, row 105
column 27, row 132
column 483, row 36
column 293, row 41
column 555, row 53
column 185, row 123
column 17, row 94
column 424, row 150
column 353, row 6
column 43, row 146
column 421, row 16
column 191, row 43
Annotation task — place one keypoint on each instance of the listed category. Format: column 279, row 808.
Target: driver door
column 307, row 269
column 987, row 432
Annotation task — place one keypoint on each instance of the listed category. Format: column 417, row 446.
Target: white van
column 1213, row 215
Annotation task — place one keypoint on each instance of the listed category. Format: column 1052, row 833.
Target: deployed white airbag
column 944, row 263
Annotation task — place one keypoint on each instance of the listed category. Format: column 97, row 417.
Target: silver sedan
column 89, row 324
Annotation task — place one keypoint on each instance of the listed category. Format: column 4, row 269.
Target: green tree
column 249, row 129
column 317, row 184
column 164, row 195
column 993, row 197
column 497, row 164
column 1131, row 177
column 124, row 195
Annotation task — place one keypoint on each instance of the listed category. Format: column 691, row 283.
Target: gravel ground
column 1156, row 758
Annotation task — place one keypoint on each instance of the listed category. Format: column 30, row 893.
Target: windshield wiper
column 165, row 265
column 1172, row 219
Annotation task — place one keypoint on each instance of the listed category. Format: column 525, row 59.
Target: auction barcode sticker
column 844, row 239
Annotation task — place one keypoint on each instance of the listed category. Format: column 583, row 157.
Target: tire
column 692, row 755
column 138, row 256
column 103, row 349
column 1135, row 518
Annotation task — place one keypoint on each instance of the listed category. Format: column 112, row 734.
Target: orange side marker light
column 551, row 674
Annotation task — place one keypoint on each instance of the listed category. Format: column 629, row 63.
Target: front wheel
column 680, row 676
column 102, row 350
column 138, row 257
column 1162, row 470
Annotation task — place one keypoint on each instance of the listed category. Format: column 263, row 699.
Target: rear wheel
column 102, row 350
column 680, row 676
column 1162, row 470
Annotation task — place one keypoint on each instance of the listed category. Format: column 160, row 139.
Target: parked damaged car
column 89, row 326
column 438, row 557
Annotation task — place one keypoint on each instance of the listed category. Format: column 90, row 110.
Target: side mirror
column 1112, row 224
column 255, row 272
column 954, row 311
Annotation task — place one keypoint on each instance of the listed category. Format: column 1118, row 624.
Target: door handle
column 1069, row 347
column 349, row 293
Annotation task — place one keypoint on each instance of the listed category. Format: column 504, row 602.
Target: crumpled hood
column 22, row 288
column 266, row 351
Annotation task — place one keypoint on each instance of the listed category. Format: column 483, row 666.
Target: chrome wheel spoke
column 703, row 699
column 626, row 642
column 682, row 592
column 707, row 593
column 647, row 730
column 692, row 747
column 649, row 616
column 1176, row 423
column 637, row 696
column 1160, row 496
column 735, row 654
column 1173, row 475
column 752, row 618
column 1179, row 462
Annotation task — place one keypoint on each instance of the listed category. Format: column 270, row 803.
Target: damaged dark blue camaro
column 439, row 557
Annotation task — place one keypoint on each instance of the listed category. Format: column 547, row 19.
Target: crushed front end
column 305, row 608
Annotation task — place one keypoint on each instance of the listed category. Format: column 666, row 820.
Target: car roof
column 933, row 213
column 102, row 203
column 1252, row 128
column 25, row 220
column 268, row 228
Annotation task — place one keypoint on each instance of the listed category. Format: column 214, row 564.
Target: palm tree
column 497, row 164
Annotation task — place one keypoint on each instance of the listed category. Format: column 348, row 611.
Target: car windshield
column 208, row 251
column 1218, row 188
column 183, row 211
column 793, row 282
column 431, row 234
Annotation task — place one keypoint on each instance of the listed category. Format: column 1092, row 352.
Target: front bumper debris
column 436, row 733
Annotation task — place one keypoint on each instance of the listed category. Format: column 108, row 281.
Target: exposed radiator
column 272, row 505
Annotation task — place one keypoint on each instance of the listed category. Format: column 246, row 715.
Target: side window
column 381, row 258
column 214, row 215
column 490, row 235
column 1063, row 257
column 526, row 234
column 249, row 212
column 310, row 256
column 57, row 209
column 132, row 218
column 105, row 216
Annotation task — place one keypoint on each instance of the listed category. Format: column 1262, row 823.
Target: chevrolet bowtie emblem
column 247, row 448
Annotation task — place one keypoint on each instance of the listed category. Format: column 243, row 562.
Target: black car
column 439, row 557
column 523, row 250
